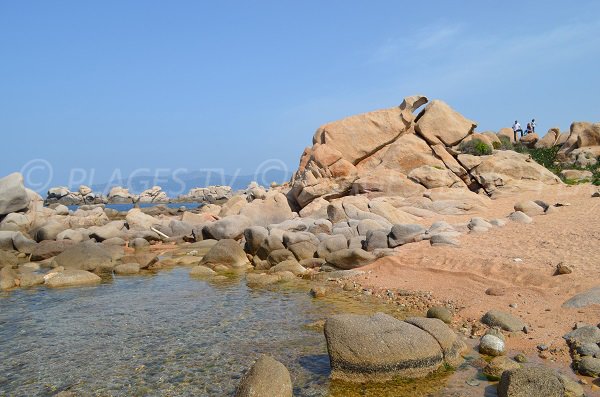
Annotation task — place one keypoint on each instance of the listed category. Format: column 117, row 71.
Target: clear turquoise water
column 169, row 335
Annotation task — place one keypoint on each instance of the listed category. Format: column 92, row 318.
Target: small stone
column 542, row 348
column 513, row 305
column 498, row 365
column 441, row 313
column 520, row 358
column 318, row 292
column 491, row 345
column 561, row 269
column 494, row 291
column 588, row 349
column 473, row 382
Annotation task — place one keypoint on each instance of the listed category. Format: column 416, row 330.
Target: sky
column 153, row 86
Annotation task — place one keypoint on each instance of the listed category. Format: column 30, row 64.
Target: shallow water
column 171, row 335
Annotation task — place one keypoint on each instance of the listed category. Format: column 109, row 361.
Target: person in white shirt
column 532, row 125
column 517, row 128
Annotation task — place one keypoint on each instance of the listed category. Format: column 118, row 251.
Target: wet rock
column 261, row 280
column 266, row 378
column 530, row 382
column 202, row 271
column 491, row 345
column 8, row 278
column 506, row 321
column 71, row 278
column 312, row 263
column 379, row 347
column 440, row 312
column 318, row 292
column 29, row 278
column 498, row 365
column 572, row 388
column 127, row 268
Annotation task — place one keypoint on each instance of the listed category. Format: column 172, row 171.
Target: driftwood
column 159, row 232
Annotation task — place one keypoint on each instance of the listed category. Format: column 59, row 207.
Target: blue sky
column 125, row 85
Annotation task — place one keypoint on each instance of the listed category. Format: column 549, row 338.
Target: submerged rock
column 266, row 378
column 71, row 278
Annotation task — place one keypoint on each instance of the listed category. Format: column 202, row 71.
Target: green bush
column 476, row 147
column 505, row 143
column 497, row 145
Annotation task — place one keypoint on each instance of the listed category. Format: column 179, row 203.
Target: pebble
column 513, row 305
column 542, row 348
column 473, row 382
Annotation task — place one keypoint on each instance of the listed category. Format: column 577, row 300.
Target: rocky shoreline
column 348, row 206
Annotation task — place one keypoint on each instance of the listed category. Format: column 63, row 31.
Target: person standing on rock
column 517, row 128
column 532, row 125
column 529, row 129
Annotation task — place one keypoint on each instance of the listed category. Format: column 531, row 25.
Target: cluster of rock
column 403, row 154
column 121, row 195
column 580, row 146
column 584, row 342
column 210, row 194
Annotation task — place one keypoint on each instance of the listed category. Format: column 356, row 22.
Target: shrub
column 497, row 145
column 505, row 143
column 476, row 147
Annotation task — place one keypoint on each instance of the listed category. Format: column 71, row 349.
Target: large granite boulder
column 392, row 152
column 87, row 255
column 13, row 196
column 226, row 252
column 380, row 347
column 230, row 227
column 273, row 209
column 440, row 123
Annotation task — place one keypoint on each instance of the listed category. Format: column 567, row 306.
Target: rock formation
column 392, row 152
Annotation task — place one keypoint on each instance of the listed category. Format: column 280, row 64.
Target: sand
column 521, row 258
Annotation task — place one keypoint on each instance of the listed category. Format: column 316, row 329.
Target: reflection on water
column 171, row 335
